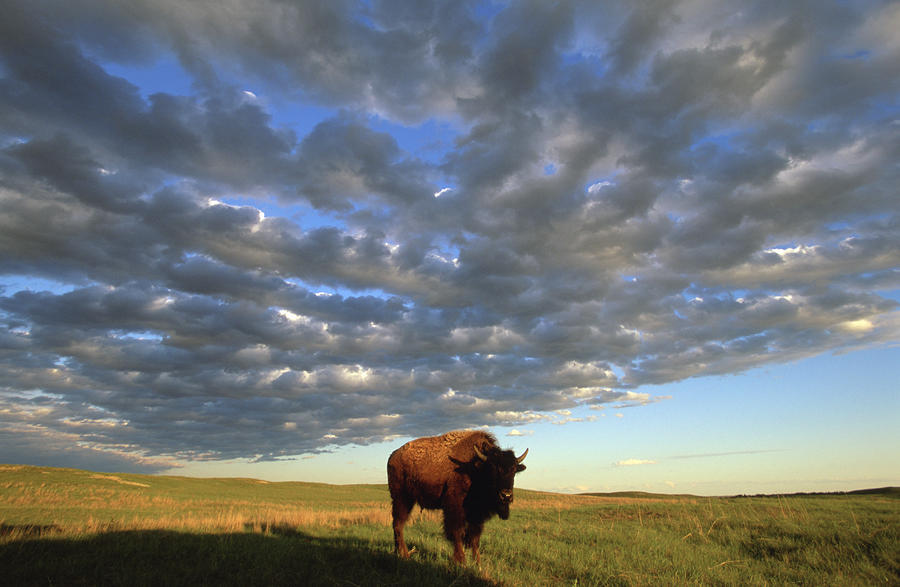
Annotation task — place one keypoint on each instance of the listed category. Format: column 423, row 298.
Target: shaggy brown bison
column 464, row 473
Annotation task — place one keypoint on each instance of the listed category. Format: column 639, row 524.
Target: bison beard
column 464, row 473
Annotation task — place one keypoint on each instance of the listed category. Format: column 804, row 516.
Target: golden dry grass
column 550, row 539
column 112, row 503
column 234, row 519
column 109, row 503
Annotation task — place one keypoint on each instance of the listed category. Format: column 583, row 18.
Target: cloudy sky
column 658, row 242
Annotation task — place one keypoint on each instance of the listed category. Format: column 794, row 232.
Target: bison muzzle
column 464, row 473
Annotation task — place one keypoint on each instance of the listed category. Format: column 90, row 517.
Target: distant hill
column 889, row 491
column 885, row 491
column 641, row 495
column 291, row 490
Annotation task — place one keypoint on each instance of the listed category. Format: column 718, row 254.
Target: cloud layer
column 627, row 196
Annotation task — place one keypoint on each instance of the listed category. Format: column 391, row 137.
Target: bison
column 464, row 473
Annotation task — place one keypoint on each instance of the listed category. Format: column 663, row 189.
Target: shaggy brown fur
column 444, row 472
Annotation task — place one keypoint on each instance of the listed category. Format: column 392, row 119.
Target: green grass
column 70, row 527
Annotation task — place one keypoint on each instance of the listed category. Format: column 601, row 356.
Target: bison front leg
column 454, row 529
column 473, row 539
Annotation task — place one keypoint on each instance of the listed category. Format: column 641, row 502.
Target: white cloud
column 634, row 462
column 596, row 187
column 861, row 325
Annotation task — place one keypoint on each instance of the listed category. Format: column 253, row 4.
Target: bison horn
column 521, row 458
column 479, row 454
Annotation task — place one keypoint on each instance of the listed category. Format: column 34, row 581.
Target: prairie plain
column 74, row 527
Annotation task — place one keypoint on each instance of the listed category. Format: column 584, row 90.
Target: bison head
column 497, row 469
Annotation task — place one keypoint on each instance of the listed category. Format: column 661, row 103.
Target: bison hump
column 458, row 444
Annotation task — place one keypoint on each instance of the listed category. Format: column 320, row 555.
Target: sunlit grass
column 51, row 519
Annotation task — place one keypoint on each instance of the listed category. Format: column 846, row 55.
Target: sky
column 657, row 243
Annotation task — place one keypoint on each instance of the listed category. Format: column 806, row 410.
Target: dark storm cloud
column 622, row 195
column 342, row 161
column 529, row 35
column 638, row 34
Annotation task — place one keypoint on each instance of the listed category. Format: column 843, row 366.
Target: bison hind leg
column 400, row 509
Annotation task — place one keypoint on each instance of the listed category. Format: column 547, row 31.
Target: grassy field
column 71, row 527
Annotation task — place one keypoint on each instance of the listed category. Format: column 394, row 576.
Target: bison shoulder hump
column 439, row 447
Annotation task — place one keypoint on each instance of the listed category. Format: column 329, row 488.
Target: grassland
column 71, row 527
